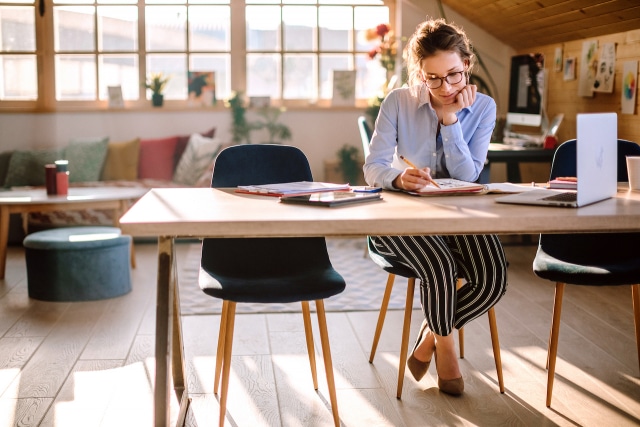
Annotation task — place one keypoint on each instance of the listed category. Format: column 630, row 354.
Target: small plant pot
column 157, row 99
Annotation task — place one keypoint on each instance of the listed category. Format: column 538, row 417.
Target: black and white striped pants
column 438, row 261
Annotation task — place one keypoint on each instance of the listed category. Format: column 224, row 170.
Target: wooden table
column 206, row 212
column 513, row 155
column 25, row 201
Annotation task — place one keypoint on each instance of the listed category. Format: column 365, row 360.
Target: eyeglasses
column 451, row 78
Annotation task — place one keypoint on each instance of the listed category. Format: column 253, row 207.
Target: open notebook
column 597, row 154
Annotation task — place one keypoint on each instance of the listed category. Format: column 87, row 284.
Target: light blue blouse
column 407, row 125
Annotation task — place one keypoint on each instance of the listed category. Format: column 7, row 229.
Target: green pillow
column 27, row 167
column 4, row 165
column 86, row 158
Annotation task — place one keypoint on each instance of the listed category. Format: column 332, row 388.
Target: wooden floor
column 91, row 364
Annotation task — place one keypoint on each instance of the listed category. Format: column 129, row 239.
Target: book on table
column 332, row 198
column 291, row 188
column 450, row 186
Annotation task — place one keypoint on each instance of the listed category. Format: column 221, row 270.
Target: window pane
column 209, row 1
column 299, row 76
column 299, row 24
column 117, row 1
column 174, row 65
column 73, row 1
column 335, row 28
column 263, row 75
column 117, row 28
column 18, row 79
column 119, row 70
column 209, row 28
column 370, row 76
column 221, row 65
column 263, row 23
column 75, row 77
column 328, row 63
column 165, row 28
column 73, row 28
column 17, row 29
column 365, row 18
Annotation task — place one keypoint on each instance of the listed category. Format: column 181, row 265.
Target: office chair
column 579, row 259
column 400, row 270
column 267, row 270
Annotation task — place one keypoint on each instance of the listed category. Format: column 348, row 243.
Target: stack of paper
column 291, row 188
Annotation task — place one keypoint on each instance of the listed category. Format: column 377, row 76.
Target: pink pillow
column 156, row 158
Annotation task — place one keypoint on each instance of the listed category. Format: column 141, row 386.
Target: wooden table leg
column 164, row 305
column 4, row 238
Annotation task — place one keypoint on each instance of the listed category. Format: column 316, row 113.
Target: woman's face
column 444, row 64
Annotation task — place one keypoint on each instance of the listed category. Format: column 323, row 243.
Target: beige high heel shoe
column 417, row 367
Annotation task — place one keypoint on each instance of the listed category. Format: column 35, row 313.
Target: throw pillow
column 5, row 157
column 182, row 145
column 86, row 158
column 26, row 167
column 122, row 161
column 156, row 158
column 197, row 157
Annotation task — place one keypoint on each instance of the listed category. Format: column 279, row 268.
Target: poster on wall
column 202, row 88
column 629, row 86
column 569, row 69
column 606, row 69
column 557, row 60
column 588, row 66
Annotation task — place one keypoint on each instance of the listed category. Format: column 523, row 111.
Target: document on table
column 291, row 188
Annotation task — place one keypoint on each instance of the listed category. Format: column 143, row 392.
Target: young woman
column 443, row 126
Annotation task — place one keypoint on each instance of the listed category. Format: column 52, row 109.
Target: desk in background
column 204, row 212
column 513, row 155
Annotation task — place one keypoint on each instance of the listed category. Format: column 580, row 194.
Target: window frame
column 45, row 57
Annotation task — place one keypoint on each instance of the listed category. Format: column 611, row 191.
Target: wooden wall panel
column 563, row 95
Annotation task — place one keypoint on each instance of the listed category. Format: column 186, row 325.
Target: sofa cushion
column 156, row 158
column 86, row 158
column 26, row 167
column 183, row 140
column 122, row 160
column 197, row 157
column 5, row 156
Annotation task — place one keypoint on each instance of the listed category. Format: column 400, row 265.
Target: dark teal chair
column 267, row 270
column 604, row 259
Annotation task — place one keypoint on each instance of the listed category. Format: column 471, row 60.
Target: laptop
column 597, row 166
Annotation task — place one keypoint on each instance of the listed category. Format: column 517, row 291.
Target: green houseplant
column 349, row 163
column 241, row 128
column 157, row 83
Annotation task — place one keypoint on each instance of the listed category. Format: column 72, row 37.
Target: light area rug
column 364, row 291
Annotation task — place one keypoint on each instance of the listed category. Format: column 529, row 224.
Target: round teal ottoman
column 78, row 264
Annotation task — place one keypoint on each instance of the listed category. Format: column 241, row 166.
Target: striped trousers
column 438, row 261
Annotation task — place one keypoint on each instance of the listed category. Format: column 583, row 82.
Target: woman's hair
column 430, row 37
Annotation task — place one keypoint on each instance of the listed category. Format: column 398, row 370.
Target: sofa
column 174, row 161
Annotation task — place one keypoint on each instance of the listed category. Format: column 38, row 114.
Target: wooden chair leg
column 220, row 350
column 553, row 340
column 495, row 343
column 328, row 365
column 226, row 366
column 381, row 316
column 308, row 333
column 406, row 327
column 635, row 297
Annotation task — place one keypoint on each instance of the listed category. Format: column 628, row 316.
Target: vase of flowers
column 386, row 50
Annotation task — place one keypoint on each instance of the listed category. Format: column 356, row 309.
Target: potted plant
column 157, row 82
column 350, row 164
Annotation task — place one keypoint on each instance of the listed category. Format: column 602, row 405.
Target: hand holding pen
column 413, row 179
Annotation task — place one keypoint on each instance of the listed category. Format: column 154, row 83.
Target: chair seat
column 276, row 288
column 578, row 263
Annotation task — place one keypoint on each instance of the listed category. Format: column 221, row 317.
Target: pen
column 407, row 161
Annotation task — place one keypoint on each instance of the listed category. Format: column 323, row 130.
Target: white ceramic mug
column 633, row 169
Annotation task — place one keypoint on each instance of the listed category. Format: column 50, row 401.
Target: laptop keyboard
column 562, row 197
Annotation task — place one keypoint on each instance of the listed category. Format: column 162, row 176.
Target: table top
column 76, row 195
column 208, row 212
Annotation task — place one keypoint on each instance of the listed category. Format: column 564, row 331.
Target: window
column 66, row 53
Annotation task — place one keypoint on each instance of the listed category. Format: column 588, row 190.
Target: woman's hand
column 464, row 98
column 413, row 179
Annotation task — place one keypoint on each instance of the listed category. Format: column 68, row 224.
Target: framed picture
column 202, row 88
column 115, row 97
column 569, row 69
column 259, row 101
column 344, row 88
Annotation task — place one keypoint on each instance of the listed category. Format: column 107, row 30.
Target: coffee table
column 37, row 200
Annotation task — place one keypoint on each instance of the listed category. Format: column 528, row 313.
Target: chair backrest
column 249, row 257
column 365, row 134
column 564, row 159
